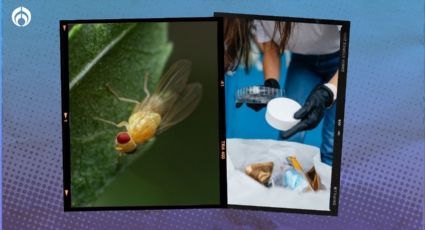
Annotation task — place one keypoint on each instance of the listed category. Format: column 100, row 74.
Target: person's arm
column 334, row 79
column 333, row 84
column 271, row 68
column 271, row 61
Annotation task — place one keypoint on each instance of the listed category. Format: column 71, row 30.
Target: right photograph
column 285, row 82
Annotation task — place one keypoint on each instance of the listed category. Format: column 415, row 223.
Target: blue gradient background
column 382, row 177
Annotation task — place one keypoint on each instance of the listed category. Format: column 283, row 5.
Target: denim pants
column 305, row 72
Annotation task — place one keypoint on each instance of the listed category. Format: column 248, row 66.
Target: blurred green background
column 182, row 167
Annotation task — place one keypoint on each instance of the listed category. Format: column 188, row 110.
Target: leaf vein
column 102, row 53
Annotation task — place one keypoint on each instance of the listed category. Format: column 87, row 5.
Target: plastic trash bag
column 244, row 190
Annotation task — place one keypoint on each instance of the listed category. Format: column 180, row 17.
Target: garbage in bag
column 274, row 190
column 294, row 180
column 260, row 172
column 296, row 177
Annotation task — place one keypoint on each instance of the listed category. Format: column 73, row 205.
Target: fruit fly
column 172, row 101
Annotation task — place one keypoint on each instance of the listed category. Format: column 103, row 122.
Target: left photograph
column 140, row 114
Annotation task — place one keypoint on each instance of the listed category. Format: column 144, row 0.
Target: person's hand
column 272, row 83
column 312, row 111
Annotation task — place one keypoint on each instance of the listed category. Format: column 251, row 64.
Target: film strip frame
column 65, row 114
column 340, row 103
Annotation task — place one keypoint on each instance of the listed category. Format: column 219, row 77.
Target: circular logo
column 21, row 16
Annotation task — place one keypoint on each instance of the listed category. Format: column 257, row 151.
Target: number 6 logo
column 21, row 16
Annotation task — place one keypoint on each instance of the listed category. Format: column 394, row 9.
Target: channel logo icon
column 21, row 16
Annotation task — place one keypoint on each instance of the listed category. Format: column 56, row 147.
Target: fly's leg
column 148, row 94
column 121, row 98
column 145, row 87
column 119, row 125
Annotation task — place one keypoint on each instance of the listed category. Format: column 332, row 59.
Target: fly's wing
column 186, row 103
column 175, row 78
column 171, row 85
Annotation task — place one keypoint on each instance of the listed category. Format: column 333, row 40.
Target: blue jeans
column 305, row 72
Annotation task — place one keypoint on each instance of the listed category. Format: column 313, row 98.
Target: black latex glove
column 312, row 111
column 272, row 83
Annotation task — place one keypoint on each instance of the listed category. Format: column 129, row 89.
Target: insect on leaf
column 119, row 55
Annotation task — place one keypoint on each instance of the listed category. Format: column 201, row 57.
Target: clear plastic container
column 257, row 94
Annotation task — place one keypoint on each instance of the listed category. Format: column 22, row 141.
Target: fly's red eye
column 123, row 138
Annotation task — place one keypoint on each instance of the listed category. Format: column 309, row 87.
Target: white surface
column 243, row 190
column 280, row 113
column 305, row 38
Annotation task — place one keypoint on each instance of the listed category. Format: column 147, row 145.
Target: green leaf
column 117, row 54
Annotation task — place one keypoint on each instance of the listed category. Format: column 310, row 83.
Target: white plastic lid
column 280, row 113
